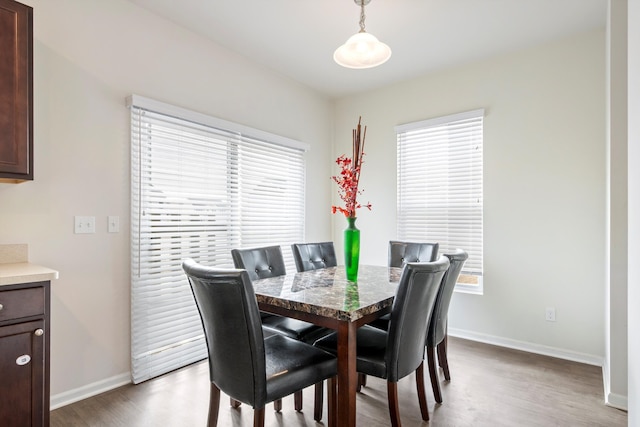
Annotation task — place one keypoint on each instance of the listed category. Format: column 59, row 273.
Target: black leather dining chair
column 264, row 262
column 260, row 263
column 436, row 337
column 399, row 351
column 312, row 256
column 402, row 252
column 437, row 332
column 242, row 362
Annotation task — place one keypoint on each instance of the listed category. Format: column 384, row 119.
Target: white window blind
column 200, row 187
column 440, row 185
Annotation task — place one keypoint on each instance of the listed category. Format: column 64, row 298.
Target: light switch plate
column 114, row 224
column 84, row 224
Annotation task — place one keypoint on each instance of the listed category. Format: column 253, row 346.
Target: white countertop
column 15, row 267
column 25, row 272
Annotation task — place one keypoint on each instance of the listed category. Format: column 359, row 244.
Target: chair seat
column 371, row 347
column 293, row 328
column 382, row 322
column 266, row 333
column 303, row 364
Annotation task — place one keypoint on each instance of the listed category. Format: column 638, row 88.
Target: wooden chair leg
column 258, row 417
column 442, row 357
column 445, row 345
column 214, row 405
column 317, row 404
column 394, row 410
column 297, row 399
column 332, row 402
column 433, row 373
column 422, row 395
column 362, row 381
column 277, row 405
column 234, row 403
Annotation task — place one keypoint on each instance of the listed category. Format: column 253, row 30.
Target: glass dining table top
column 327, row 292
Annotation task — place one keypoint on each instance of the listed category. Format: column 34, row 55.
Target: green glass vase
column 351, row 249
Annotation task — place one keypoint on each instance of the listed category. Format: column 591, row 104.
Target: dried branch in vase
column 349, row 177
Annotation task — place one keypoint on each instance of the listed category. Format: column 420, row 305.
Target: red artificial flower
column 349, row 177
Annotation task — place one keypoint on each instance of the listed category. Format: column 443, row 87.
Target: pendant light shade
column 362, row 50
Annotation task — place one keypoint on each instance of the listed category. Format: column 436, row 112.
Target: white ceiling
column 297, row 37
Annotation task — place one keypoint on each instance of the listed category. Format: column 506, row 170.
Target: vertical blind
column 440, row 184
column 200, row 187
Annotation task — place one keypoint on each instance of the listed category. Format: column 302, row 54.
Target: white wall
column 544, row 184
column 634, row 212
column 90, row 55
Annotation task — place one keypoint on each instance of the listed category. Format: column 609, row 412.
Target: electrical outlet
column 550, row 314
column 84, row 224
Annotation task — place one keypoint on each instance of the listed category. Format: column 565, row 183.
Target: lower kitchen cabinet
column 24, row 354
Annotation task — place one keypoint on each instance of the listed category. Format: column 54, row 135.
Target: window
column 200, row 186
column 440, row 187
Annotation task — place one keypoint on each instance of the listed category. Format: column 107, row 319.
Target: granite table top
column 327, row 292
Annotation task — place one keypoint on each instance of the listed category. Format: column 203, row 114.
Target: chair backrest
column 411, row 310
column 438, row 323
column 260, row 263
column 312, row 256
column 229, row 312
column 401, row 253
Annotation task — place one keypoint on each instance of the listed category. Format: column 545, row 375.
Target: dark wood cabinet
column 16, row 91
column 24, row 354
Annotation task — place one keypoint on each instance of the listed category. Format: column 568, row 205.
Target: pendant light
column 362, row 50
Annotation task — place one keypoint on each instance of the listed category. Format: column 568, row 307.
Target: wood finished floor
column 490, row 386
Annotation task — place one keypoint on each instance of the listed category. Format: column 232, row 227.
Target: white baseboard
column 614, row 400
column 617, row 401
column 89, row 390
column 574, row 356
column 611, row 399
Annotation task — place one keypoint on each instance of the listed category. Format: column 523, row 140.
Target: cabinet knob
column 1, row 307
column 39, row 332
column 23, row 360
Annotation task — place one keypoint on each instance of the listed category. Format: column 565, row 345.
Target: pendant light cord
column 362, row 16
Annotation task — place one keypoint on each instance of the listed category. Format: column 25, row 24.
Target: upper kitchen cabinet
column 16, row 92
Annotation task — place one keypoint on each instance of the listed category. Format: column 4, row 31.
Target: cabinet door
column 16, row 91
column 22, row 374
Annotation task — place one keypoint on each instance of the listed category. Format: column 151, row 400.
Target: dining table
column 326, row 298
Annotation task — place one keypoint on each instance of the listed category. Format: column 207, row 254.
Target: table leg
column 347, row 375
